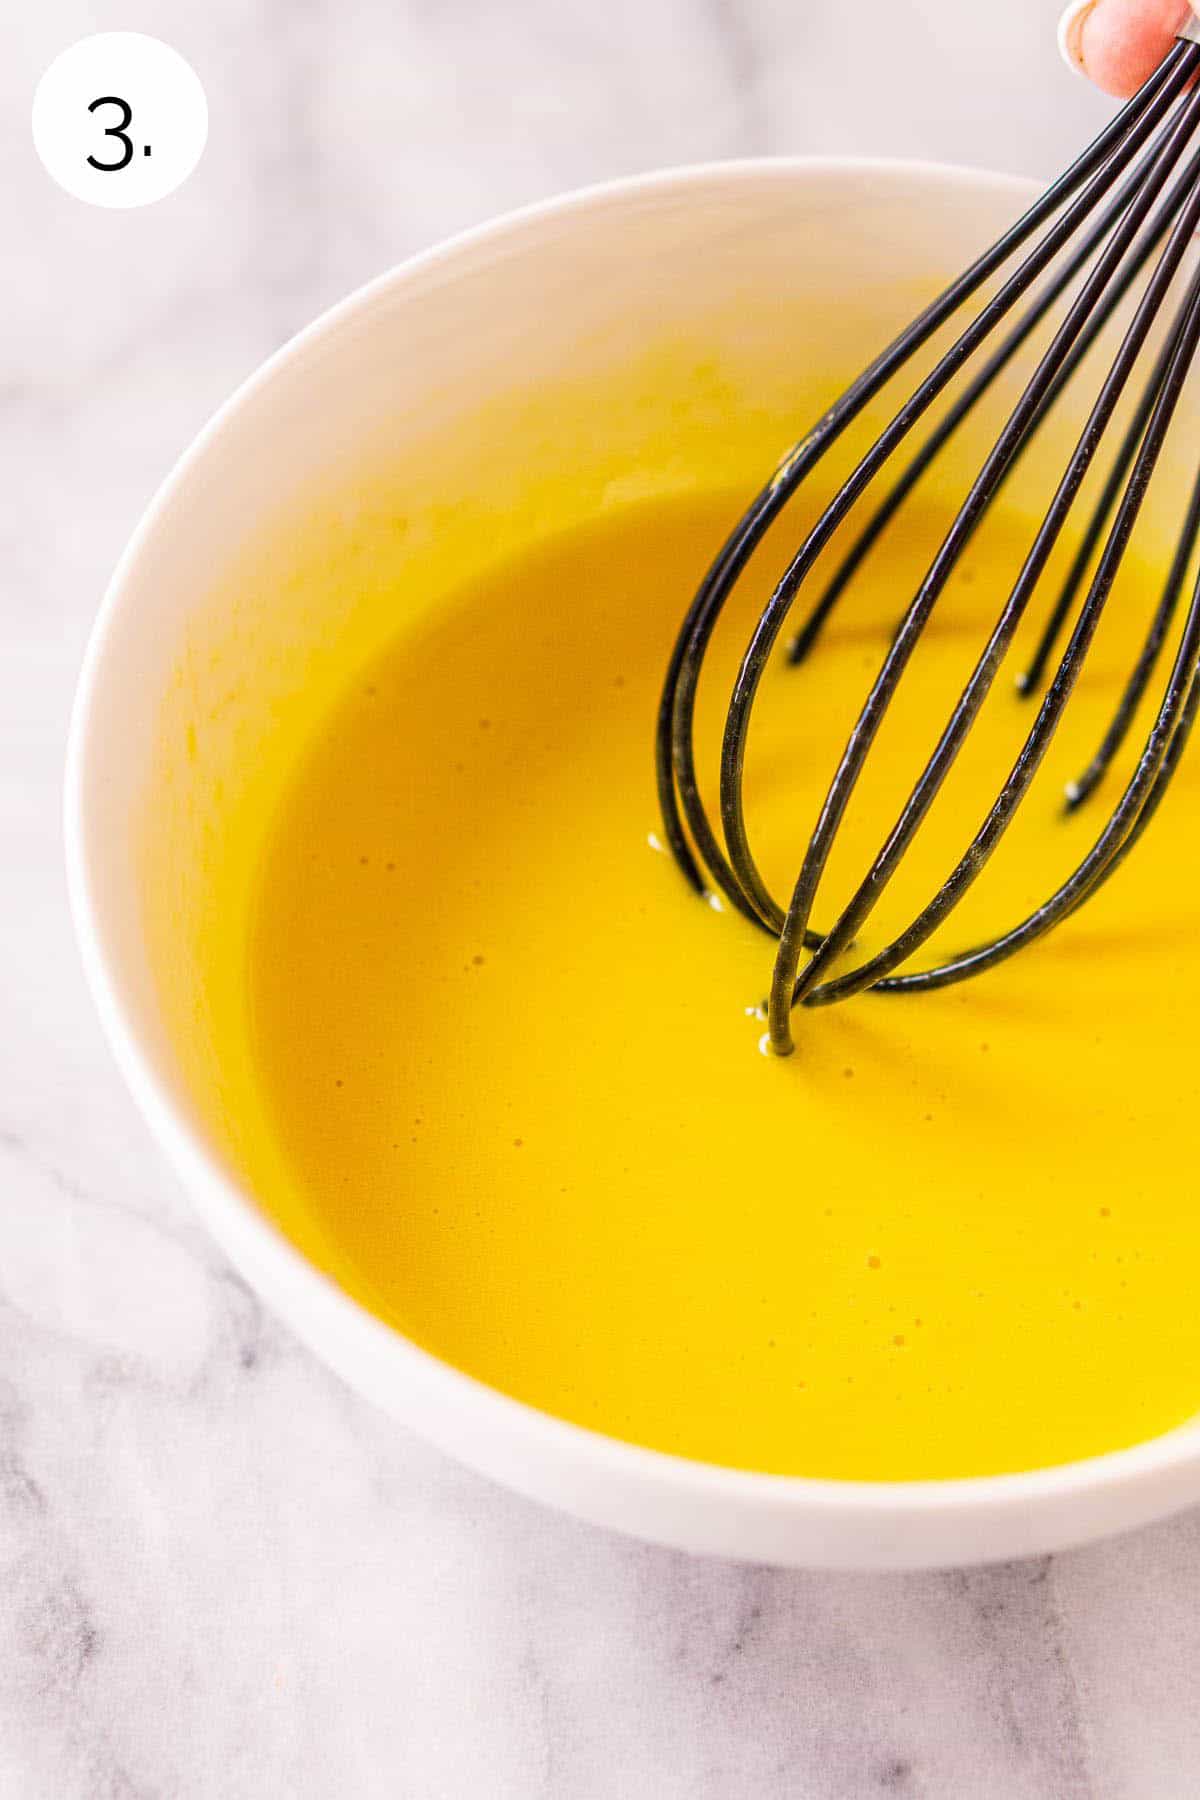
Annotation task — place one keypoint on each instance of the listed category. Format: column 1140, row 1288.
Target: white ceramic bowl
column 772, row 263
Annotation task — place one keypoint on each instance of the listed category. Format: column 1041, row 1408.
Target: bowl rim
column 324, row 1316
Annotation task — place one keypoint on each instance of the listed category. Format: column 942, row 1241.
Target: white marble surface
column 222, row 1575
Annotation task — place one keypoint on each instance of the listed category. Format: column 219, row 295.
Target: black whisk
column 1134, row 195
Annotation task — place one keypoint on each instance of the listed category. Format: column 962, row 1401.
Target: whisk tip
column 800, row 646
column 1074, row 795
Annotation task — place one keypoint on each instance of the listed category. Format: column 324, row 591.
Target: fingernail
column 1070, row 33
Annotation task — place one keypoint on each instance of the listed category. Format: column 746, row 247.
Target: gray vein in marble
column 1016, row 1603
column 736, row 33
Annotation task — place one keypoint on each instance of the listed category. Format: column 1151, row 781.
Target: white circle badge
column 120, row 119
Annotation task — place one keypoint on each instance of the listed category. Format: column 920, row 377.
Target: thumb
column 1119, row 43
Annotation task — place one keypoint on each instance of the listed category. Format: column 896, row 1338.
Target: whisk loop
column 1130, row 203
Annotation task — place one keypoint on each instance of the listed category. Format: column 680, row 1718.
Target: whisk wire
column 678, row 789
column 1053, row 291
column 774, row 614
column 974, row 859
column 1138, row 154
column 1085, row 784
column 784, row 993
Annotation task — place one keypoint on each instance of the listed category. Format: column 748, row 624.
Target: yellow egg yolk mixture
column 513, row 1063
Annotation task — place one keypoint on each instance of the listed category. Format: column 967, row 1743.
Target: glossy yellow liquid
column 514, row 1072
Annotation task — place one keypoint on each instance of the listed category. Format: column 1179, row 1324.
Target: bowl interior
column 650, row 340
